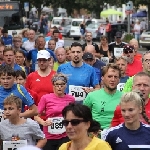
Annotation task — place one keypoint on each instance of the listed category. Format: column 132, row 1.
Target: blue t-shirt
column 47, row 38
column 79, row 76
column 32, row 55
column 52, row 53
column 124, row 79
column 121, row 138
column 26, row 99
column 99, row 64
column 7, row 40
column 16, row 67
column 98, row 72
column 24, row 39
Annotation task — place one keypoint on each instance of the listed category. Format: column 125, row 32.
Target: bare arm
column 41, row 143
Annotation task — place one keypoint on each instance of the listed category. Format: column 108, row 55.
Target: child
column 15, row 126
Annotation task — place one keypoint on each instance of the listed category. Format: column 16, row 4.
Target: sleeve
column 128, row 85
column 88, row 101
column 37, row 133
column 27, row 98
column 93, row 79
column 59, row 69
column 41, row 104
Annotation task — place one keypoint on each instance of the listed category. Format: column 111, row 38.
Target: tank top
column 104, row 53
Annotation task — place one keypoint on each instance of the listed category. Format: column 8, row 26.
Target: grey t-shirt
column 30, row 131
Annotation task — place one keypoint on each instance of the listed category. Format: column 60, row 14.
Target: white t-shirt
column 137, row 28
column 143, row 25
column 28, row 45
column 60, row 43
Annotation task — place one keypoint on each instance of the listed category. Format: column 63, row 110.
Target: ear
column 102, row 78
column 140, row 109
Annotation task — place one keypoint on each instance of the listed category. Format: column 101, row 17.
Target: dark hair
column 20, row 73
column 80, row 111
column 55, row 31
column 8, row 70
column 20, row 51
column 95, row 126
column 112, row 66
column 75, row 44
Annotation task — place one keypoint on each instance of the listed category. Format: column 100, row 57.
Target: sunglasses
column 74, row 122
column 128, row 51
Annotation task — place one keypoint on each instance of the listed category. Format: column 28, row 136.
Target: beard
column 129, row 60
column 76, row 62
column 109, row 88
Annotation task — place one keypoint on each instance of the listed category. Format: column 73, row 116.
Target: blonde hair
column 17, row 37
column 67, row 48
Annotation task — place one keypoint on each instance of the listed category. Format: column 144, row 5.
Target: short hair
column 88, row 32
column 55, row 31
column 67, row 48
column 75, row 44
column 59, row 75
column 8, row 70
column 141, row 74
column 13, row 100
column 146, row 53
column 121, row 58
column 110, row 66
column 40, row 36
column 9, row 48
column 52, row 40
column 21, row 73
column 17, row 37
column 20, row 51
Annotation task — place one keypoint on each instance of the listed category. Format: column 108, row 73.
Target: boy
column 14, row 125
column 8, row 87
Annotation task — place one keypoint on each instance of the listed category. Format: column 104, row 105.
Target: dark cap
column 4, row 31
column 87, row 56
column 118, row 34
column 128, row 47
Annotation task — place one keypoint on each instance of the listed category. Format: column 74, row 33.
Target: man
column 7, row 39
column 80, row 75
column 1, row 53
column 32, row 55
column 7, row 79
column 88, row 37
column 146, row 69
column 134, row 66
column 97, row 63
column 61, row 57
column 30, row 44
column 121, row 62
column 104, row 101
column 116, row 48
column 88, row 58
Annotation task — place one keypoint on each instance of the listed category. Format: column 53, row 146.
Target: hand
column 47, row 123
column 87, row 89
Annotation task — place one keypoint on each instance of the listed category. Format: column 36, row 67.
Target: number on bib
column 120, row 86
column 118, row 52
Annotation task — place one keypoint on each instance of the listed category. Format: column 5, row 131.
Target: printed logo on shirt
column 118, row 140
column 37, row 79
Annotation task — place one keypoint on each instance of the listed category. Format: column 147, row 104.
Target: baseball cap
column 118, row 34
column 43, row 54
column 29, row 147
column 87, row 56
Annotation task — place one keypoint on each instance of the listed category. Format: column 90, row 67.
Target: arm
column 41, row 143
column 41, row 121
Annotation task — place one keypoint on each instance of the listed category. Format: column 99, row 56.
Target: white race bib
column 77, row 92
column 14, row 145
column 57, row 126
column 1, row 115
column 118, row 52
column 105, row 60
column 120, row 86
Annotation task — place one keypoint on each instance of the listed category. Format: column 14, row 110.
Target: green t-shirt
column 102, row 106
column 56, row 65
column 128, row 85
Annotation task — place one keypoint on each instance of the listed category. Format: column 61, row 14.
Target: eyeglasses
column 74, row 122
column 128, row 51
column 57, row 85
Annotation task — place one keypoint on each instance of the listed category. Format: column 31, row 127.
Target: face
column 130, row 55
column 118, row 39
column 89, row 37
column 41, row 43
column 17, row 42
column 76, row 132
column 9, row 57
column 122, row 64
column 130, row 112
column 43, row 63
column 51, row 44
column 104, row 41
column 1, row 51
column 26, row 34
column 89, row 61
column 56, row 36
column 59, row 87
column 20, row 80
column 142, row 83
column 76, row 54
column 111, row 79
column 7, row 81
column 61, row 55
column 146, row 62
column 5, row 34
column 11, row 111
column 20, row 59
column 68, row 56
column 31, row 34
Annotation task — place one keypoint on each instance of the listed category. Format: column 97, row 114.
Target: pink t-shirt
column 53, row 105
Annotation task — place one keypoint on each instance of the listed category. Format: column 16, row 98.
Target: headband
column 59, row 78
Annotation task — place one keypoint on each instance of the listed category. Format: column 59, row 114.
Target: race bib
column 77, row 92
column 1, row 115
column 120, row 86
column 57, row 126
column 118, row 52
column 14, row 145
column 105, row 60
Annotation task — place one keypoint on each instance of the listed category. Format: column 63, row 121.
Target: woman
column 52, row 104
column 137, row 30
column 78, row 123
column 68, row 51
column 25, row 34
column 132, row 133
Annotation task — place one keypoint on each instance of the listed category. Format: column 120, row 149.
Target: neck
column 89, row 42
column 31, row 40
column 44, row 73
column 133, row 126
column 15, row 121
column 59, row 95
column 16, row 48
column 61, row 62
column 40, row 48
column 12, row 65
column 108, row 91
column 77, row 65
column 123, row 75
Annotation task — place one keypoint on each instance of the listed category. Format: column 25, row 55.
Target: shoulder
column 112, row 43
column 70, row 97
column 4, row 122
column 31, row 122
column 93, row 93
column 68, row 64
column 32, row 74
column 64, row 146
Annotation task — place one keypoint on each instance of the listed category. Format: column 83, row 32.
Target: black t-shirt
column 94, row 44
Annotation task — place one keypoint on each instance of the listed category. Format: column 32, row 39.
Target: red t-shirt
column 134, row 68
column 60, row 35
column 138, row 56
column 117, row 119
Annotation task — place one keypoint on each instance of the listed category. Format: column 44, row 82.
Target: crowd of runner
column 82, row 97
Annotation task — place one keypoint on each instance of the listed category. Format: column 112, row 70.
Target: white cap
column 43, row 54
column 29, row 147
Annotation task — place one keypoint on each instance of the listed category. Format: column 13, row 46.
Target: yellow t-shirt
column 95, row 144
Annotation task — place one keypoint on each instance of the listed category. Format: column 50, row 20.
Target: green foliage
column 128, row 37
